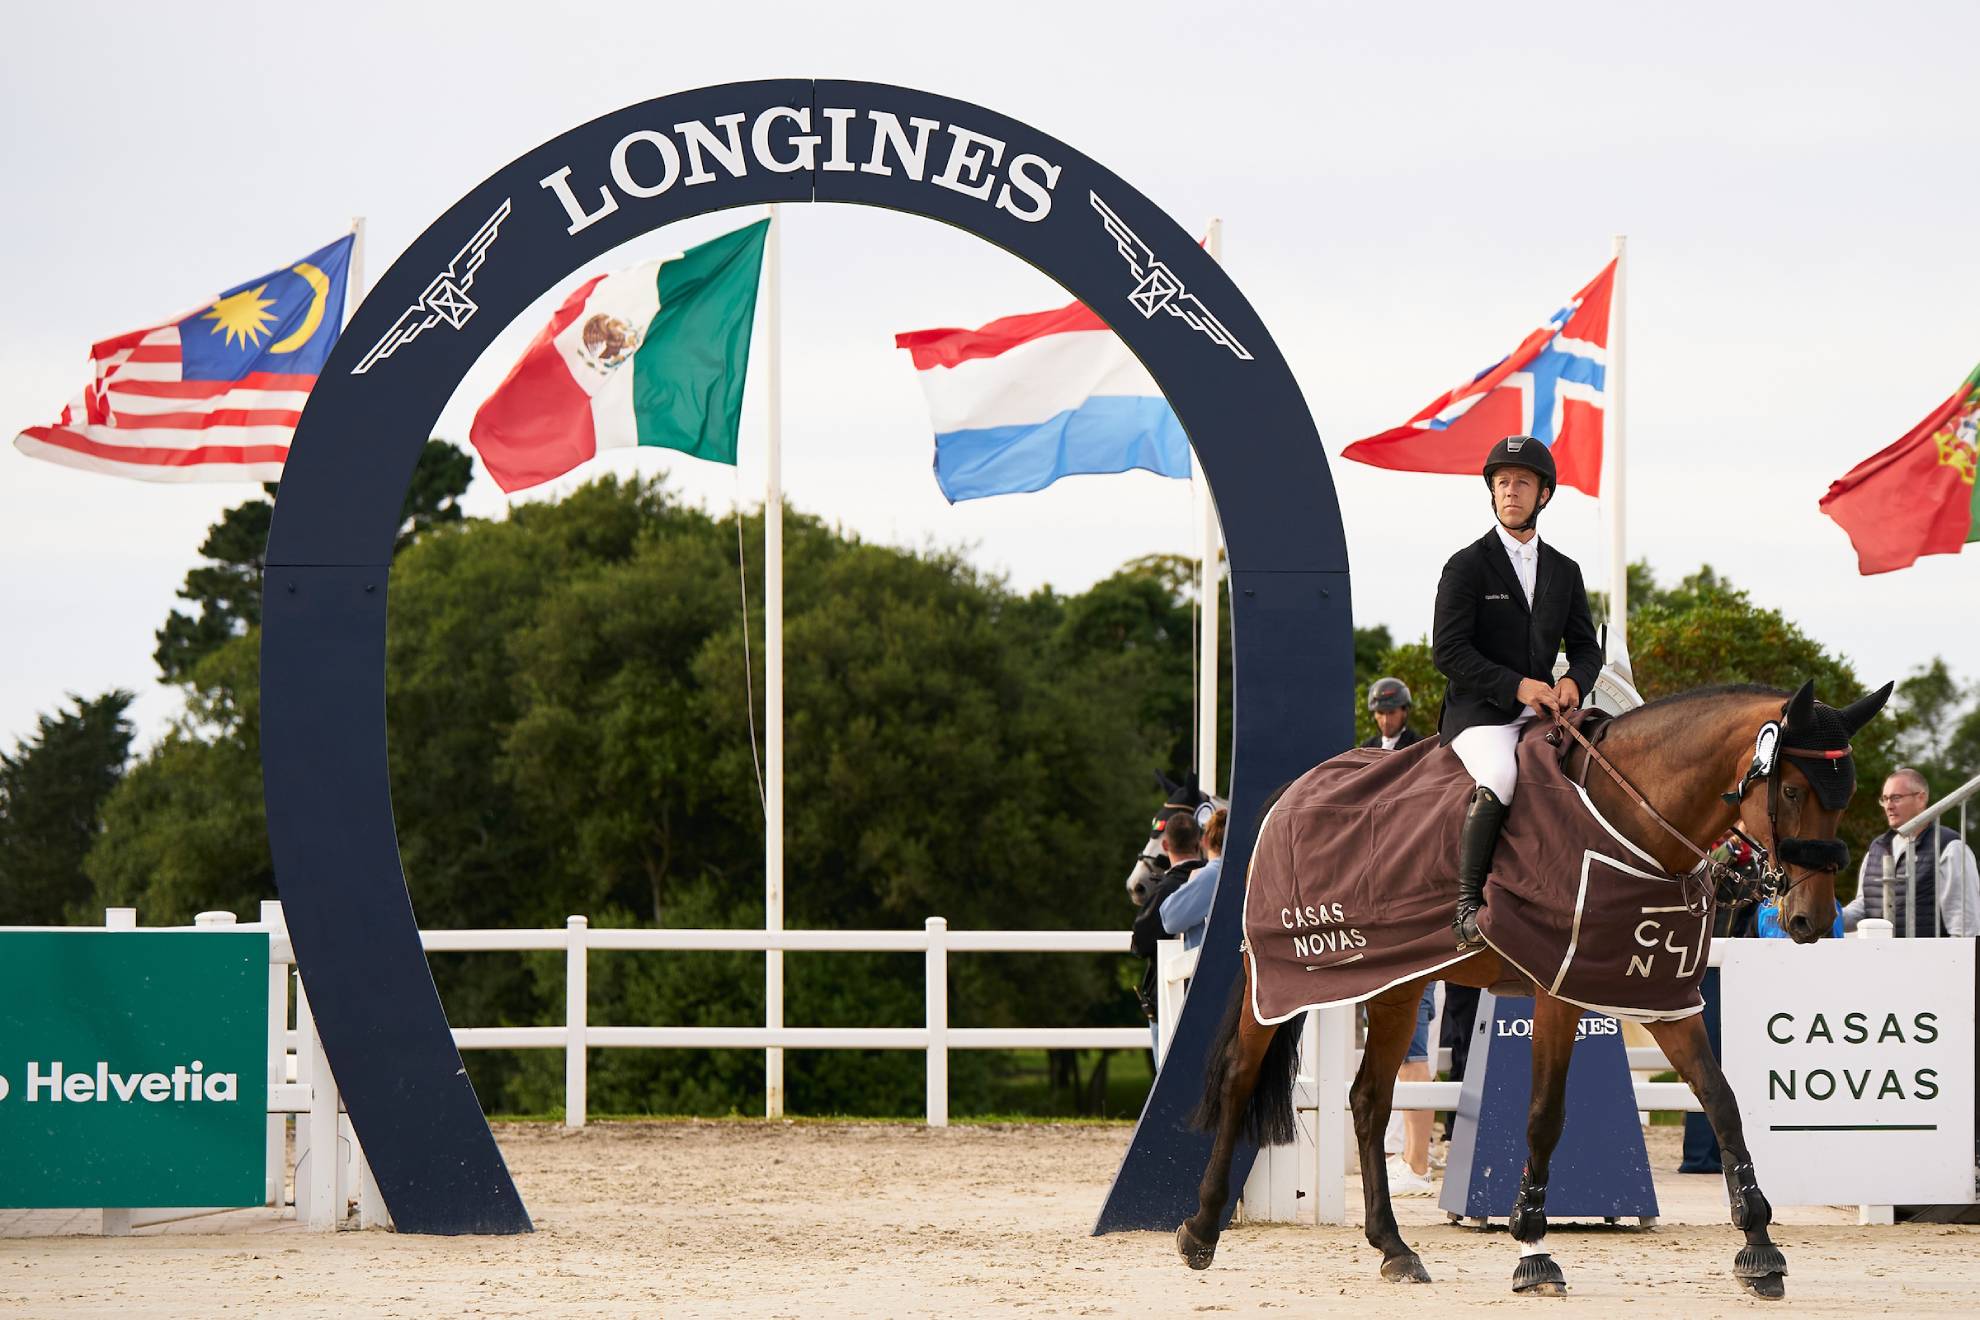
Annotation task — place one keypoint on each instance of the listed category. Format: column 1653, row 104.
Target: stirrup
column 1464, row 928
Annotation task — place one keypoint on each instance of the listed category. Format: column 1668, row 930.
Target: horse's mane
column 1665, row 705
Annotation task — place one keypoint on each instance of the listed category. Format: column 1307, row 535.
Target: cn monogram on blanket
column 1354, row 880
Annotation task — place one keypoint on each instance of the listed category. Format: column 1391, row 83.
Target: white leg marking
column 1538, row 1247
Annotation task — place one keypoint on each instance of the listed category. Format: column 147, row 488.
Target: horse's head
column 1792, row 798
column 1152, row 862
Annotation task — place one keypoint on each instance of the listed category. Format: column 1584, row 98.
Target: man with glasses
column 1948, row 881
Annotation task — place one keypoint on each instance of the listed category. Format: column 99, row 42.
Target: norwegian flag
column 1552, row 387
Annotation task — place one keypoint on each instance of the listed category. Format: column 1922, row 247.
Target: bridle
column 1728, row 883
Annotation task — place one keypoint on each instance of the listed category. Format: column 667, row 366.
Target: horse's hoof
column 1770, row 1287
column 1761, row 1269
column 1197, row 1255
column 1406, row 1268
column 1539, row 1276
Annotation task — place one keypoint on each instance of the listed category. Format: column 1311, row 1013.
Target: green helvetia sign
column 133, row 1068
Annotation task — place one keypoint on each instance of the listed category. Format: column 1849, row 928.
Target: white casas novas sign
column 1853, row 1063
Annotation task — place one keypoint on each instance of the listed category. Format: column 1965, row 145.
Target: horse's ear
column 1800, row 706
column 1860, row 712
column 1166, row 784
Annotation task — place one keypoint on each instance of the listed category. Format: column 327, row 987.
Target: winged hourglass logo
column 445, row 297
column 1158, row 289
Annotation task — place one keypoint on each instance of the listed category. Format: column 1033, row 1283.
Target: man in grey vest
column 1947, row 883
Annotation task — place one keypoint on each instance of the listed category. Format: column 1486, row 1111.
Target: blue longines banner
column 133, row 1068
column 1600, row 1168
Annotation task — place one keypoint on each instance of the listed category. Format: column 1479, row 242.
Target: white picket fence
column 935, row 1037
column 300, row 1086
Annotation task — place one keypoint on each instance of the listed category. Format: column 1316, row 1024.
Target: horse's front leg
column 1391, row 1022
column 1554, row 1024
column 1760, row 1267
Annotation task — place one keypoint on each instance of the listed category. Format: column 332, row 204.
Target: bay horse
column 1685, row 766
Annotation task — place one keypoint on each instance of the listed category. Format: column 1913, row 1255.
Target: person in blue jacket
column 1767, row 922
column 1186, row 912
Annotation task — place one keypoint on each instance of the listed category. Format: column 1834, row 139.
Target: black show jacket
column 1485, row 639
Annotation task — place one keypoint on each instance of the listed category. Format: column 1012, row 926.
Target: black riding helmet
column 1388, row 694
column 1523, row 451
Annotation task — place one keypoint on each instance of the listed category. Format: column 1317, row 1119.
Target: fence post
column 1881, row 930
column 1335, row 1039
column 937, row 997
column 577, row 1018
column 1168, row 998
column 117, row 1223
column 316, row 1204
column 277, row 1153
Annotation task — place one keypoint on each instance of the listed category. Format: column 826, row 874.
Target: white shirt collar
column 1514, row 548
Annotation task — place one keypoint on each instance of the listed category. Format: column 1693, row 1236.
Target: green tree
column 1707, row 631
column 227, row 588
column 573, row 711
column 1927, row 713
column 1141, row 623
column 1370, row 646
column 52, row 789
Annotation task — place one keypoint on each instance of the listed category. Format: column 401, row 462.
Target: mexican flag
column 1917, row 497
column 655, row 355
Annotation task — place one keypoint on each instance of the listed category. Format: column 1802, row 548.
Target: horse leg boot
column 1554, row 1024
column 1482, row 821
column 1760, row 1267
column 1391, row 1022
column 1231, row 1077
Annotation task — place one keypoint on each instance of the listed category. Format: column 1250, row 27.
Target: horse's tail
column 1268, row 1111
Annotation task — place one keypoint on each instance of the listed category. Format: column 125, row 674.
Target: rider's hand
column 1542, row 698
column 1569, row 694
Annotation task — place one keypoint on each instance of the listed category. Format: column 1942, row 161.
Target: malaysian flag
column 1554, row 387
column 212, row 396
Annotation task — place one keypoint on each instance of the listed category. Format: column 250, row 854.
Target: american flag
column 214, row 395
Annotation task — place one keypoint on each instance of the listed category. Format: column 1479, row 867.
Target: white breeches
column 1488, row 752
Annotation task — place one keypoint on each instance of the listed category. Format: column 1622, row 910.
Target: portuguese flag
column 1917, row 497
column 655, row 355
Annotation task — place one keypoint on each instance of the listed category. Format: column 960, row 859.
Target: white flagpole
column 1615, row 482
column 773, row 676
column 354, row 280
column 1208, row 645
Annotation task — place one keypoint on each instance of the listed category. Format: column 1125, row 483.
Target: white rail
column 300, row 1083
column 935, row 1037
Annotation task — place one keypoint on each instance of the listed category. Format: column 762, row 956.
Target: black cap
column 1522, row 451
column 1388, row 694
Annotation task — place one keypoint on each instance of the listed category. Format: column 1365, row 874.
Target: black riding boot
column 1481, row 834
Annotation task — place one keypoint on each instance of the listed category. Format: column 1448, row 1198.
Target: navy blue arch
column 510, row 240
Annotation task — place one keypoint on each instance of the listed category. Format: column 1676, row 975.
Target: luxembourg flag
column 1028, row 399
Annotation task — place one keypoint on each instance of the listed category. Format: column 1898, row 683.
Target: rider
column 1388, row 702
column 1506, row 604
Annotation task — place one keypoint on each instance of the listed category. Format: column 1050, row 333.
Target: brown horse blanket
column 1353, row 883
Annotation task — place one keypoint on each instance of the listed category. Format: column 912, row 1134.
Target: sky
column 1405, row 191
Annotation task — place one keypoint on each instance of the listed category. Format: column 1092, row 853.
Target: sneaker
column 1405, row 1181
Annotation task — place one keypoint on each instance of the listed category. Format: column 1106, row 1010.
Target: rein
column 1724, row 878
column 1727, row 882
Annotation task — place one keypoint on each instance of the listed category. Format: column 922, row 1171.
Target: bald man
column 1948, row 888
